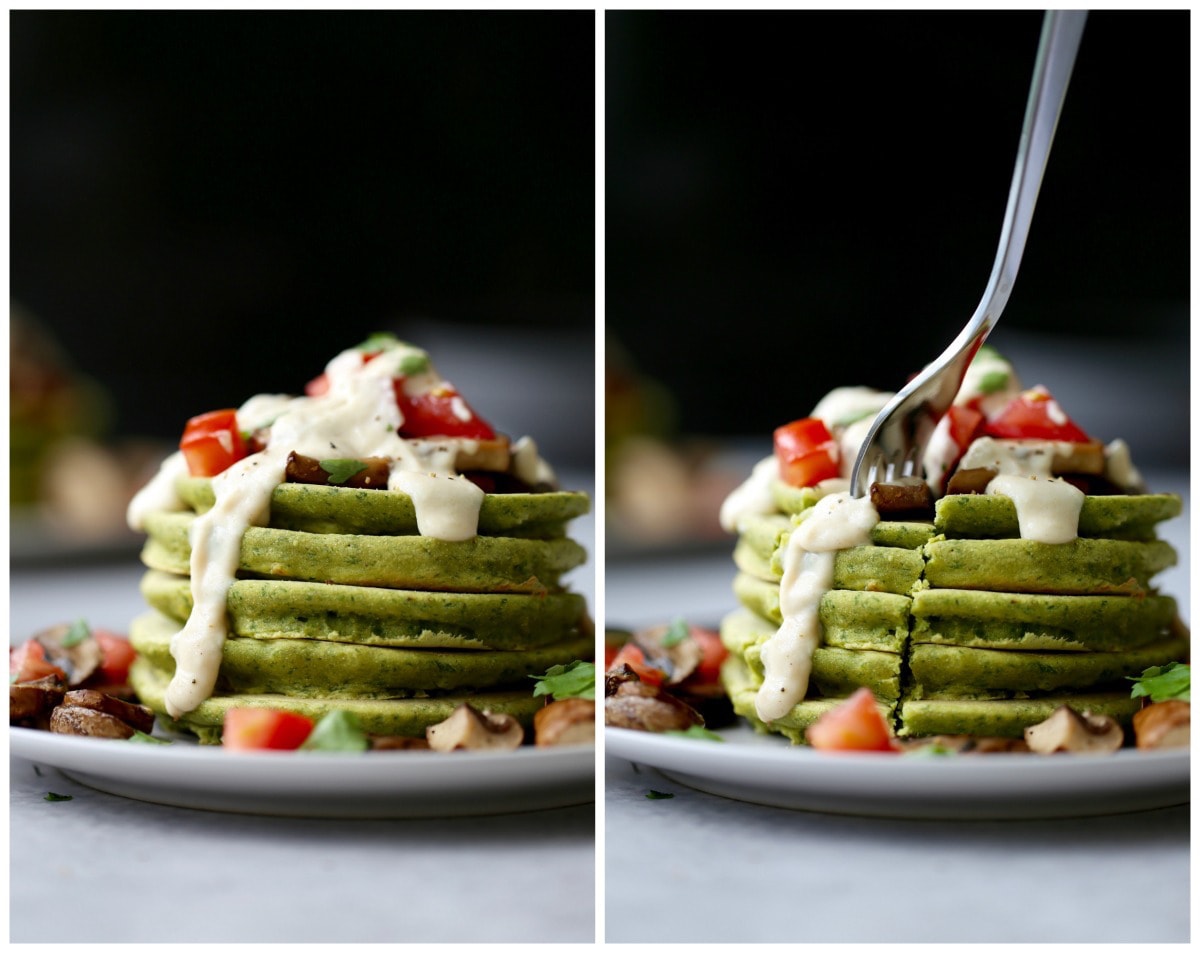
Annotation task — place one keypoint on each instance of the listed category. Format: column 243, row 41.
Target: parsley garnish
column 658, row 795
column 676, row 632
column 341, row 470
column 379, row 341
column 577, row 680
column 696, row 731
column 413, row 364
column 77, row 632
column 51, row 796
column 337, row 731
column 992, row 382
column 1162, row 683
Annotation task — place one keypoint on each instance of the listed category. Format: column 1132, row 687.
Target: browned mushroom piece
column 30, row 703
column 677, row 657
column 968, row 744
column 1068, row 731
column 69, row 720
column 568, row 721
column 971, row 480
column 372, row 476
column 1164, row 725
column 71, row 649
column 904, row 497
column 397, row 743
column 634, row 704
column 469, row 730
column 136, row 716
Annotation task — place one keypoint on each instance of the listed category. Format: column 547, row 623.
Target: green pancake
column 989, row 516
column 312, row 508
column 1036, row 621
column 954, row 670
column 740, row 687
column 850, row 619
column 1080, row 567
column 309, row 668
column 404, row 618
column 405, row 716
column 481, row 564
column 869, row 568
column 1006, row 718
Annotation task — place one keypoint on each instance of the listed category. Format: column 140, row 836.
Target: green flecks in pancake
column 270, row 609
column 740, row 686
column 403, row 716
column 762, row 535
column 481, row 564
column 1110, row 517
column 868, row 568
column 850, row 619
column 902, row 534
column 332, row 509
column 1005, row 718
column 952, row 669
column 793, row 499
column 835, row 671
column 309, row 668
column 1080, row 567
column 1039, row 621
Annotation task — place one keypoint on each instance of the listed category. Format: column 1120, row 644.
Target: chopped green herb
column 992, row 382
column 379, row 341
column 853, row 418
column 337, row 731
column 78, row 631
column 51, row 796
column 341, row 470
column 414, row 364
column 676, row 632
column 933, row 750
column 577, row 680
column 1160, row 683
column 696, row 731
column 141, row 737
column 658, row 795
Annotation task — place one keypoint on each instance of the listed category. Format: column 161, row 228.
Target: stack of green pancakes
column 960, row 626
column 339, row 603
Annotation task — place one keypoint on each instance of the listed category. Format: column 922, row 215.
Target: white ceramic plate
column 770, row 770
column 314, row 784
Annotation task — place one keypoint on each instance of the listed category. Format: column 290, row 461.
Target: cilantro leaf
column 676, row 632
column 577, row 680
column 658, row 795
column 413, row 364
column 78, row 631
column 140, row 737
column 1162, row 683
column 337, row 731
column 696, row 731
column 51, row 796
column 341, row 470
column 379, row 341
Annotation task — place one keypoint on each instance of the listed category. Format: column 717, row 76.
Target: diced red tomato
column 27, row 663
column 211, row 442
column 965, row 423
column 1034, row 414
column 116, row 656
column 712, row 654
column 629, row 654
column 806, row 451
column 257, row 729
column 439, row 413
column 854, row 725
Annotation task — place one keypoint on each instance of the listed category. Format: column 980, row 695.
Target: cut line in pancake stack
column 961, row 626
column 340, row 604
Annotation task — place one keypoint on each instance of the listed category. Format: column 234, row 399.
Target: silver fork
column 903, row 427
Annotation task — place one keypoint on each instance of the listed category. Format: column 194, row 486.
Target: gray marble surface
column 700, row 868
column 100, row 868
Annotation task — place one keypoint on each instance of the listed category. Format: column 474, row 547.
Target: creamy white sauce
column 844, row 406
column 1047, row 507
column 984, row 368
column 356, row 418
column 1119, row 468
column 752, row 498
column 836, row 522
column 528, row 467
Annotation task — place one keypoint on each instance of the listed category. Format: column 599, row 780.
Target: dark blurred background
column 209, row 205
column 799, row 200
